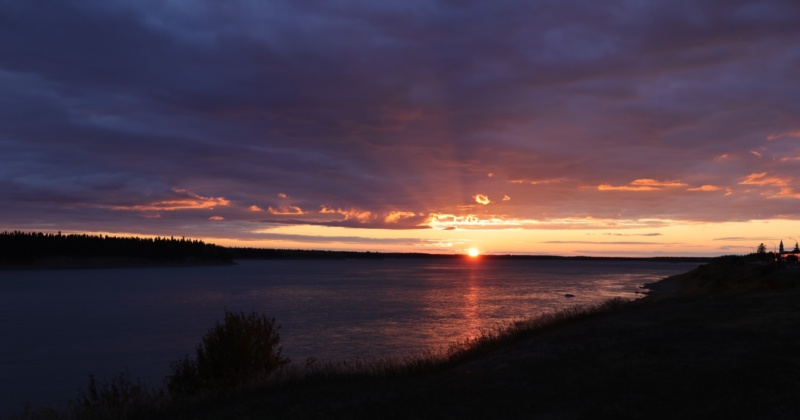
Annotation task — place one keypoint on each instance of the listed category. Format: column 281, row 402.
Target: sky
column 608, row 128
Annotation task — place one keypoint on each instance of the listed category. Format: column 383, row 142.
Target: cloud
column 482, row 199
column 762, row 179
column 706, row 188
column 360, row 216
column 286, row 210
column 361, row 219
column 611, row 243
column 216, row 218
column 654, row 183
column 320, row 239
column 794, row 134
column 632, row 234
column 179, row 199
column 536, row 181
column 396, row 216
column 644, row 184
column 786, row 192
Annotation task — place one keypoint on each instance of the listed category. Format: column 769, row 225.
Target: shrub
column 243, row 349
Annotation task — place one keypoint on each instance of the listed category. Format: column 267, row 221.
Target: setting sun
column 473, row 252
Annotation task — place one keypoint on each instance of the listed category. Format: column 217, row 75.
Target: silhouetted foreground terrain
column 36, row 249
column 722, row 341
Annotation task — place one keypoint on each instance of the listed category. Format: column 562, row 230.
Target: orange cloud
column 396, row 216
column 763, row 179
column 786, row 192
column 642, row 184
column 781, row 135
column 216, row 218
column 609, row 187
column 444, row 221
column 282, row 195
column 754, row 153
column 255, row 208
column 536, row 181
column 286, row 210
column 506, row 198
column 705, row 188
column 361, row 216
column 482, row 199
column 654, row 183
column 188, row 201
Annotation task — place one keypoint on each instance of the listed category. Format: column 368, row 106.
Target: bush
column 243, row 349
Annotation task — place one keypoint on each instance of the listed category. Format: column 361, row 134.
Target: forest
column 34, row 248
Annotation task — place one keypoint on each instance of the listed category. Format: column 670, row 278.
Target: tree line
column 29, row 247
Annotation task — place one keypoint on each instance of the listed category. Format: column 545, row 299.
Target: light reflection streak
column 471, row 311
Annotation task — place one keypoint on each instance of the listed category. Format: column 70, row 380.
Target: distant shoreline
column 286, row 254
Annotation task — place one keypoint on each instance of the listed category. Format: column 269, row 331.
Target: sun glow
column 473, row 252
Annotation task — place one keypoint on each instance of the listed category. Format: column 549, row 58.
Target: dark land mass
column 722, row 341
column 40, row 250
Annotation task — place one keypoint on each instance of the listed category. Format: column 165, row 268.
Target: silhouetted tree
column 28, row 247
column 762, row 249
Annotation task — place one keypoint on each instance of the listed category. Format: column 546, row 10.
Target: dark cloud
column 401, row 107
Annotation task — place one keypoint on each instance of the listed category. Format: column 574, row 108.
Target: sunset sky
column 627, row 127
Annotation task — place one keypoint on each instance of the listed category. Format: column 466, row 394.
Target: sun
column 473, row 252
